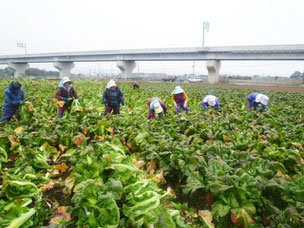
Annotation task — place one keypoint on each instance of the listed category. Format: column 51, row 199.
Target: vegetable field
column 227, row 168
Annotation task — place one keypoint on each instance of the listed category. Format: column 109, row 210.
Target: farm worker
column 135, row 85
column 65, row 92
column 156, row 105
column 210, row 100
column 255, row 99
column 112, row 98
column 180, row 99
column 13, row 98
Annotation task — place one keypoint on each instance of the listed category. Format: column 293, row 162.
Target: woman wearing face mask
column 66, row 93
column 14, row 97
column 112, row 98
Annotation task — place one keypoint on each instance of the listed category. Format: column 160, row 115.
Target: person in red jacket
column 65, row 92
column 180, row 99
column 156, row 105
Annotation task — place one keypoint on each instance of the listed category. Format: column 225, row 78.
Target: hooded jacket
column 113, row 97
column 13, row 98
column 63, row 91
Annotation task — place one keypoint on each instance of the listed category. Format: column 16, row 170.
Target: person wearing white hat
column 256, row 99
column 156, row 105
column 210, row 100
column 180, row 99
column 65, row 92
column 112, row 98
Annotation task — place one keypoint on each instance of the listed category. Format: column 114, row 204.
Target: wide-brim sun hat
column 65, row 80
column 261, row 98
column 211, row 101
column 177, row 90
column 110, row 84
column 157, row 107
column 264, row 100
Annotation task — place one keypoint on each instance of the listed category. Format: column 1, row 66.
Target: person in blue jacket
column 256, row 99
column 210, row 100
column 14, row 97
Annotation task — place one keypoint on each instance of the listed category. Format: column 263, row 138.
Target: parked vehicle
column 169, row 79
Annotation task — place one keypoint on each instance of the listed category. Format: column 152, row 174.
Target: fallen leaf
column 85, row 130
column 62, row 148
column 78, row 139
column 158, row 178
column 151, row 167
column 48, row 186
column 19, row 130
column 14, row 141
column 62, row 168
column 207, row 217
column 297, row 145
column 226, row 139
column 140, row 164
column 60, row 218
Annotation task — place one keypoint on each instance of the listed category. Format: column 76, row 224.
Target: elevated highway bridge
column 126, row 59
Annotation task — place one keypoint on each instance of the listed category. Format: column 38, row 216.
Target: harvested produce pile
column 226, row 168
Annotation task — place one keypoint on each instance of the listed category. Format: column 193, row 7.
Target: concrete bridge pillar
column 126, row 68
column 19, row 69
column 213, row 67
column 64, row 68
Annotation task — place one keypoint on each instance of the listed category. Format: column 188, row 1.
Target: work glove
column 65, row 99
column 257, row 108
column 78, row 99
column 266, row 109
column 123, row 103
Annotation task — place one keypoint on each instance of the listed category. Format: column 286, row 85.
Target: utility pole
column 111, row 70
column 138, row 68
column 206, row 25
column 193, row 68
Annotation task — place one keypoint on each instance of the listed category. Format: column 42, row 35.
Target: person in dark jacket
column 156, row 105
column 256, row 99
column 112, row 98
column 65, row 92
column 135, row 85
column 210, row 100
column 13, row 98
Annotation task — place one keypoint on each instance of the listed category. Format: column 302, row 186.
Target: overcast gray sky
column 74, row 25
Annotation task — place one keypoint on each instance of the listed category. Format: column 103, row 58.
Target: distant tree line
column 297, row 75
column 239, row 77
column 29, row 72
column 38, row 72
column 6, row 72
